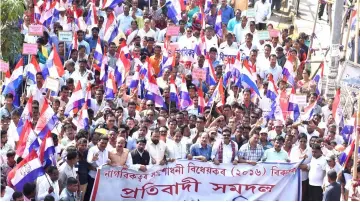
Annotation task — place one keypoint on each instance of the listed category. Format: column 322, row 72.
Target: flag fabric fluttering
column 32, row 69
column 172, row 13
column 218, row 95
column 110, row 86
column 337, row 112
column 111, row 28
column 15, row 79
column 75, row 102
column 201, row 100
column 318, row 78
column 153, row 91
column 27, row 141
column 47, row 120
column 53, row 66
column 184, row 96
column 46, row 151
column 28, row 170
column 174, row 97
column 288, row 73
column 293, row 107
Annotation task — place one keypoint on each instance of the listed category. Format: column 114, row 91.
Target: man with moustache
column 226, row 150
column 120, row 156
column 140, row 157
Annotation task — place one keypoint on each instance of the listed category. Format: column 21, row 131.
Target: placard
column 300, row 99
column 263, row 35
column 198, row 74
column 4, row 66
column 65, row 36
column 250, row 13
column 30, row 49
column 173, row 31
column 52, row 84
column 274, row 33
column 36, row 30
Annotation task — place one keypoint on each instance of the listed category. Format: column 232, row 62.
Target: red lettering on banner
column 205, row 170
column 177, row 170
column 126, row 175
column 152, row 189
column 237, row 187
column 277, row 172
column 257, row 172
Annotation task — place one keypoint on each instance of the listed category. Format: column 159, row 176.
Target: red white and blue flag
column 28, row 170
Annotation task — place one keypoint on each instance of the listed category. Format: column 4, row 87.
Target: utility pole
column 334, row 47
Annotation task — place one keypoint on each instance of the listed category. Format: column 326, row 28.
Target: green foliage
column 11, row 38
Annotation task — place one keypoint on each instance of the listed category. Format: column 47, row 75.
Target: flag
column 53, row 66
column 27, row 140
column 111, row 3
column 28, row 170
column 348, row 129
column 122, row 64
column 218, row 95
column 318, row 78
column 46, row 152
column 293, row 107
column 98, row 55
column 346, row 155
column 218, row 24
column 32, row 69
column 136, row 77
column 272, row 91
column 288, row 73
column 92, row 18
column 26, row 115
column 47, row 120
column 308, row 112
column 79, row 20
column 153, row 92
column 15, row 80
column 76, row 101
column 337, row 112
column 167, row 62
column 82, row 119
column 201, row 100
column 227, row 75
column 249, row 79
column 111, row 28
column 173, row 92
column 353, row 19
column 104, row 68
column 172, row 13
column 210, row 76
column 185, row 100
column 110, row 86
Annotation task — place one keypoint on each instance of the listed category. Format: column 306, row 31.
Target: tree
column 11, row 38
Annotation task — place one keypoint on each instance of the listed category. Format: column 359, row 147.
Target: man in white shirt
column 327, row 109
column 157, row 149
column 67, row 169
column 331, row 165
column 273, row 69
column 125, row 19
column 316, row 167
column 263, row 13
column 83, row 75
column 146, row 31
column 246, row 47
column 177, row 146
column 241, row 29
column 81, row 41
column 225, row 151
column 48, row 184
column 97, row 156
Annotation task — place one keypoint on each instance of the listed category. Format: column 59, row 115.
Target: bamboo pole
column 313, row 32
column 357, row 33
column 348, row 34
column 356, row 140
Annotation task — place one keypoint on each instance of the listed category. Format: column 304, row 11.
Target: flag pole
column 356, row 52
column 348, row 33
column 356, row 140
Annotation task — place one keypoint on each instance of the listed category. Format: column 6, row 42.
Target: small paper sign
column 36, row 30
column 65, row 36
column 30, row 49
column 263, row 35
column 4, row 66
column 274, row 33
column 173, row 31
column 52, row 84
column 250, row 13
column 300, row 100
column 198, row 74
column 335, row 50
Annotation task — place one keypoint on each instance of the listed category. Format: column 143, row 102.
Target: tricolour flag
column 185, row 100
column 53, row 66
column 32, row 69
column 27, row 140
column 47, row 120
column 46, row 152
column 28, row 170
column 76, row 101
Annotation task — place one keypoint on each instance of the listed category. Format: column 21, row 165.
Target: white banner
column 198, row 181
